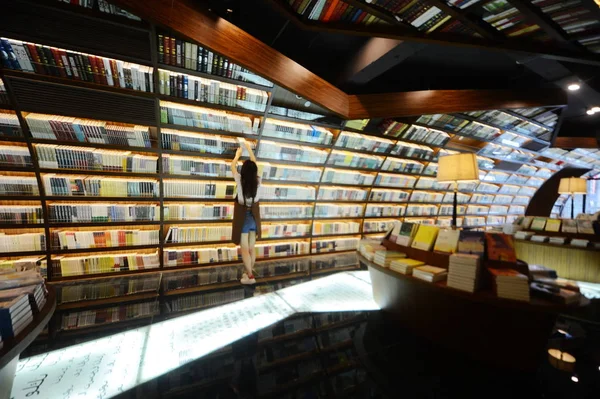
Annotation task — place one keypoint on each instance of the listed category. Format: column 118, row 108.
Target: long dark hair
column 249, row 178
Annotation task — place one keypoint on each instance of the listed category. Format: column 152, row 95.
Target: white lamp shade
column 572, row 185
column 458, row 167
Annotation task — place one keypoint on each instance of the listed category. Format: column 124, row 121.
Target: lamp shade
column 572, row 185
column 458, row 167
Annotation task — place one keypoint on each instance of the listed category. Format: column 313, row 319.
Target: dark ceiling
column 415, row 66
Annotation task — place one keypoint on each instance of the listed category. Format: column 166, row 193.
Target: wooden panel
column 569, row 262
column 225, row 38
column 576, row 142
column 545, row 197
column 449, row 101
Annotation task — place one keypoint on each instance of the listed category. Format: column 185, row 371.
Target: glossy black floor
column 362, row 355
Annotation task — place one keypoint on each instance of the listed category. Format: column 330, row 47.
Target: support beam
column 450, row 101
column 377, row 56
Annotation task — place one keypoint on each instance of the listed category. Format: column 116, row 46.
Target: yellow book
column 447, row 241
column 425, row 237
column 221, row 190
column 553, row 225
column 407, row 262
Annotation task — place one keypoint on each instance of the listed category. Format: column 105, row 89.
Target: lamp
column 457, row 168
column 572, row 185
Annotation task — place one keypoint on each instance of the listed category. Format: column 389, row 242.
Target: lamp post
column 454, row 169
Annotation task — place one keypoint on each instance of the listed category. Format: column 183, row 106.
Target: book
column 539, row 238
column 500, row 247
column 569, row 226
column 538, row 223
column 510, row 284
column 585, row 226
column 580, row 242
column 407, row 233
column 15, row 315
column 471, row 242
column 447, row 241
column 464, row 272
column 523, row 235
column 385, row 257
column 553, row 225
column 539, row 271
column 431, row 274
column 425, row 237
column 393, row 237
column 405, row 266
column 555, row 294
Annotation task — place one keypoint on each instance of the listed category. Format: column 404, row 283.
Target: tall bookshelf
column 133, row 171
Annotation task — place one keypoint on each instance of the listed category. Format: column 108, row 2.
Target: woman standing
column 246, row 211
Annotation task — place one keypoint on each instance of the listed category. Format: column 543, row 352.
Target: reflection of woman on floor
column 246, row 212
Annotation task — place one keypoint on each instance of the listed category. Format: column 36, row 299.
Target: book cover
column 500, row 247
column 407, row 232
column 585, row 227
column 569, row 226
column 553, row 225
column 538, row 224
column 433, row 270
column 471, row 242
column 526, row 222
column 447, row 241
column 425, row 237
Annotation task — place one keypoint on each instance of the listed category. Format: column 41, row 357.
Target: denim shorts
column 249, row 223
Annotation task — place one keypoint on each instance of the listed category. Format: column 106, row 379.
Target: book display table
column 9, row 354
column 497, row 331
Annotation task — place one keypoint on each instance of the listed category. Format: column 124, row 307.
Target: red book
column 326, row 14
column 167, row 50
column 172, row 47
column 95, row 69
column 59, row 63
column 340, row 12
column 501, row 247
column 37, row 61
column 115, row 73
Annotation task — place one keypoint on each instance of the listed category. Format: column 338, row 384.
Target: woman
column 246, row 212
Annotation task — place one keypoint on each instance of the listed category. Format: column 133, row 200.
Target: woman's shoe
column 249, row 280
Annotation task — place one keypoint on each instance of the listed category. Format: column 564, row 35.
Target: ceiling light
column 590, row 112
column 574, row 87
column 596, row 109
column 574, row 379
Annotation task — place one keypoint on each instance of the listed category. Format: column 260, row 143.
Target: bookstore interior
column 424, row 180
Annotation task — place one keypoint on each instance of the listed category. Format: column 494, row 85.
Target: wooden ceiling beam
column 569, row 143
column 449, row 101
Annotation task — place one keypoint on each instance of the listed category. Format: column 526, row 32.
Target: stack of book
column 510, row 284
column 383, row 257
column 367, row 248
column 405, row 266
column 15, row 315
column 35, row 293
column 464, row 272
column 431, row 274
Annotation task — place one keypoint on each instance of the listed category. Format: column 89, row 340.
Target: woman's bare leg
column 251, row 245
column 245, row 249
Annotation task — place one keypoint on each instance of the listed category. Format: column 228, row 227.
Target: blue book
column 12, row 58
column 185, row 86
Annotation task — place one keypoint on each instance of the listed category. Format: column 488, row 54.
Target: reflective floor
column 323, row 339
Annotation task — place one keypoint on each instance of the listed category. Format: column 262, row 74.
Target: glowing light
column 574, row 87
column 574, row 379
